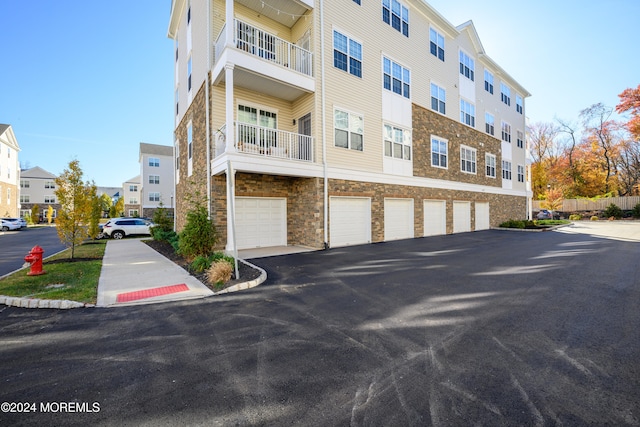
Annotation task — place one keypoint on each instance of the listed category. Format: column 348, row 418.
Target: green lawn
column 65, row 279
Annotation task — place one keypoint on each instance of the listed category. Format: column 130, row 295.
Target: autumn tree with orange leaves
column 630, row 102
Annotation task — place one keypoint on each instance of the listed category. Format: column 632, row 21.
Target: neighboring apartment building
column 156, row 178
column 37, row 187
column 343, row 122
column 9, row 173
column 131, row 190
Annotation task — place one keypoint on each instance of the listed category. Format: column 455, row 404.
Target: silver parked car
column 118, row 228
column 7, row 225
column 20, row 222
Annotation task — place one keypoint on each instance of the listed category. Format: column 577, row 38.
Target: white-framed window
column 467, row 113
column 439, row 152
column 190, row 148
column 505, row 93
column 349, row 130
column 490, row 161
column 467, row 66
column 133, row 213
column 154, row 162
column 520, row 139
column 438, row 98
column 436, row 44
column 9, row 173
column 133, row 200
column 519, row 104
column 154, row 197
column 133, row 187
column 490, row 123
column 520, row 173
column 8, row 196
column 397, row 142
column 49, row 199
column 506, row 170
column 347, row 54
column 177, row 101
column 467, row 159
column 506, row 132
column 396, row 78
column 24, row 198
column 488, row 81
column 396, row 15
column 49, row 184
column 189, row 74
column 24, row 183
column 154, row 179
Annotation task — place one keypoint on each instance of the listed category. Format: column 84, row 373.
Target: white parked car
column 121, row 227
column 9, row 224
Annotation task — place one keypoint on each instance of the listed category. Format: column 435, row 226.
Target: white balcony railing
column 267, row 142
column 267, row 46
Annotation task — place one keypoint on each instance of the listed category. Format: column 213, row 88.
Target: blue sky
column 90, row 80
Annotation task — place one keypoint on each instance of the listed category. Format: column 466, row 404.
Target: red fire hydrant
column 35, row 259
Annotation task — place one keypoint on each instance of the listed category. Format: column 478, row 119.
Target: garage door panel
column 398, row 219
column 350, row 221
column 435, row 217
column 482, row 216
column 461, row 217
column 261, row 222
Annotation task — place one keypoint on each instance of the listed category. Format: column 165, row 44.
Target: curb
column 245, row 285
column 41, row 303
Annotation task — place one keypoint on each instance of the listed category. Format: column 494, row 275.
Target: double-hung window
column 505, row 94
column 396, row 15
column 490, row 161
column 519, row 104
column 154, row 197
column 397, row 142
column 467, row 159
column 506, row 132
column 438, row 98
column 439, row 152
column 349, row 130
column 154, row 162
column 396, row 78
column 347, row 54
column 133, row 188
column 520, row 173
column 488, row 81
column 520, row 139
column 467, row 66
column 506, row 170
column 154, row 179
column 467, row 113
column 436, row 44
column 490, row 123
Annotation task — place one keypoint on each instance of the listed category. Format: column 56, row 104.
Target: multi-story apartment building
column 323, row 124
column 37, row 187
column 131, row 190
column 9, row 173
column 156, row 178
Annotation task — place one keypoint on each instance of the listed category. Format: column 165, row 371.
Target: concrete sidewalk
column 134, row 273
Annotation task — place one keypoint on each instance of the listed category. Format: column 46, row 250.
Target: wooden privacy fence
column 577, row 205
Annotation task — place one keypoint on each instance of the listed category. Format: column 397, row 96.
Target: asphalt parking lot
column 484, row 328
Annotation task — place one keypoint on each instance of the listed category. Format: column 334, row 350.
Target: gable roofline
column 177, row 6
column 8, row 137
column 37, row 172
column 155, row 150
column 134, row 180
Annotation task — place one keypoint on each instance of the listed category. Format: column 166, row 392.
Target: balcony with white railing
column 268, row 47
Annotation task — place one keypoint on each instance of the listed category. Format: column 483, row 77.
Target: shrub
column 613, row 211
column 199, row 235
column 513, row 223
column 594, row 218
column 200, row 264
column 219, row 273
column 162, row 218
column 575, row 217
column 636, row 211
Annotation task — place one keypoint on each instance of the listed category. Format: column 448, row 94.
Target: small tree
column 49, row 214
column 106, row 203
column 553, row 199
column 35, row 214
column 199, row 235
column 120, row 207
column 75, row 206
column 162, row 218
column 96, row 213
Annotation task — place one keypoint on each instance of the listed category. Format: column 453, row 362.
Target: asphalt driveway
column 485, row 328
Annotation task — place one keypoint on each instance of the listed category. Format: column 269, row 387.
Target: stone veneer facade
column 305, row 195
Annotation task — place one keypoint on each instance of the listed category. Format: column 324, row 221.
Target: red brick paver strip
column 153, row 292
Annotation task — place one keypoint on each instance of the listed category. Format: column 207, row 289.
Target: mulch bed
column 245, row 271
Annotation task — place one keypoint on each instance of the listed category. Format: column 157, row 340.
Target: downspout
column 324, row 137
column 206, row 94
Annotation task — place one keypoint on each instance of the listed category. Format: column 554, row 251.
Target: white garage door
column 350, row 221
column 260, row 222
column 435, row 217
column 461, row 217
column 398, row 219
column 482, row 216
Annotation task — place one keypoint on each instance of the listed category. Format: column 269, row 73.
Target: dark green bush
column 199, row 235
column 200, row 264
column 162, row 218
column 635, row 212
column 513, row 223
column 613, row 211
